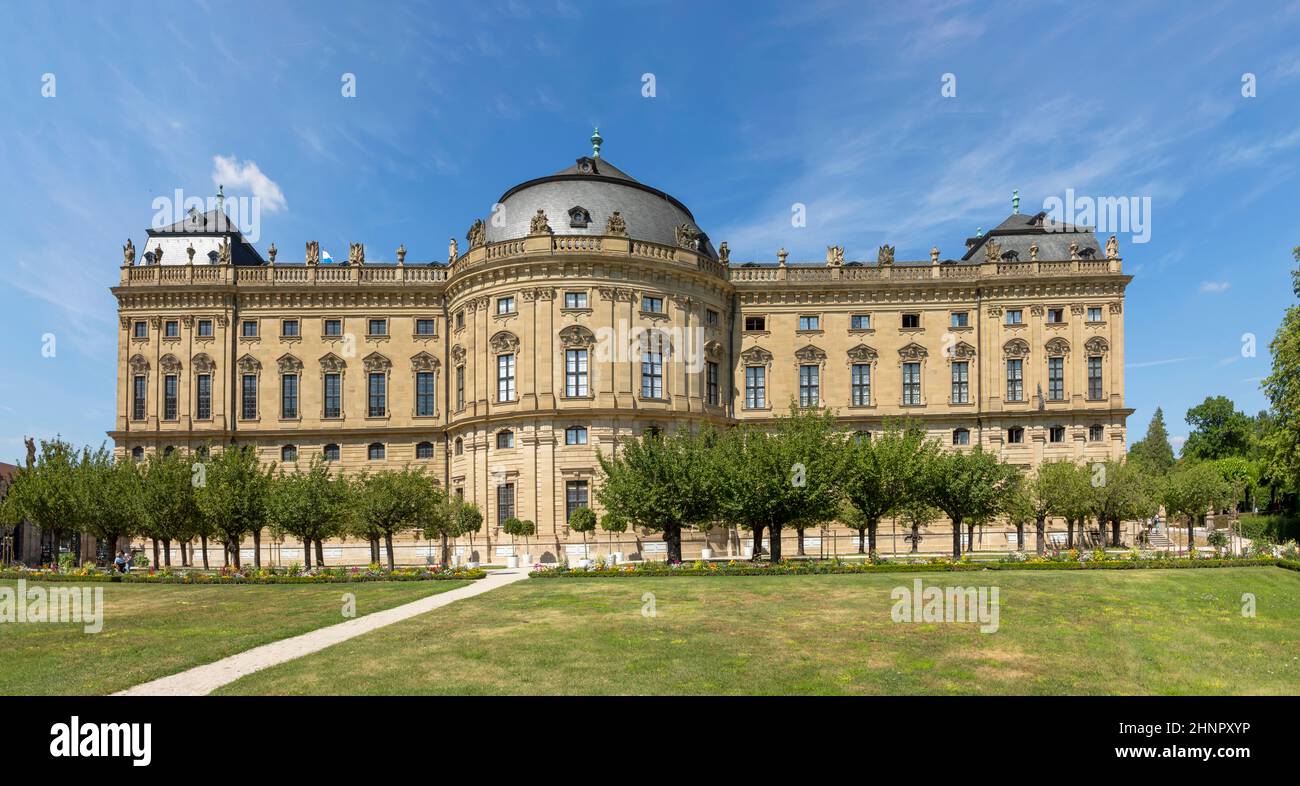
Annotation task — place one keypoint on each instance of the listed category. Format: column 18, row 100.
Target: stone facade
column 507, row 370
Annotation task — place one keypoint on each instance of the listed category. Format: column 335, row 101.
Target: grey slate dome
column 580, row 199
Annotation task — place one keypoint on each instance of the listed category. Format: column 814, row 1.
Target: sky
column 903, row 123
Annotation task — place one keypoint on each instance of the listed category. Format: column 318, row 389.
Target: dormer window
column 579, row 217
column 1087, row 253
column 587, row 166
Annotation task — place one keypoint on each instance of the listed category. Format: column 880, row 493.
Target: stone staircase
column 1159, row 539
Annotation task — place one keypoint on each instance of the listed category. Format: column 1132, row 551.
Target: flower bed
column 1088, row 561
column 246, row 575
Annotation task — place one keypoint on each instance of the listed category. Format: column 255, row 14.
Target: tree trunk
column 775, row 538
column 257, row 547
column 388, row 546
column 970, row 538
column 203, row 539
column 673, row 538
column 156, row 558
column 374, row 549
column 1040, row 529
column 1114, row 532
column 320, row 553
column 873, row 527
column 916, row 537
column 1020, row 536
column 1069, row 533
column 235, row 555
column 184, row 562
column 444, row 559
column 1191, row 536
column 225, row 553
column 167, row 552
column 956, row 538
column 306, row 553
column 757, row 551
column 799, row 547
column 862, row 540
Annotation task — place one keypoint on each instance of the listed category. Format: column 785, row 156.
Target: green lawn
column 151, row 631
column 1077, row 632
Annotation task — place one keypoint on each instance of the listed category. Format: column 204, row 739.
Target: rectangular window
column 756, row 324
column 332, row 452
column 1094, row 313
column 654, row 305
column 377, row 327
column 1014, row 316
column 460, row 319
column 505, row 377
column 575, row 435
column 810, row 322
column 460, row 387
column 505, row 305
column 575, row 299
column 1094, row 377
column 1015, row 435
column 575, row 372
column 333, row 396
column 424, row 393
column 912, row 383
column 424, row 327
column 1056, row 379
column 860, row 322
column 1015, row 379
column 205, row 328
column 711, row 317
column 755, row 387
column 575, row 496
column 1056, row 434
column 289, row 328
column 333, row 327
column 169, row 397
column 140, row 329
column 203, row 397
column 711, row 383
column 911, row 321
column 289, row 396
column 861, row 381
column 505, row 502
column 377, row 395
column 960, row 319
column 248, row 397
column 652, row 374
column 961, row 382
column 172, row 329
column 809, row 386
column 248, row 329
column 1055, row 316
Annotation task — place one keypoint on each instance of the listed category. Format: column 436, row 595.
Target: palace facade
column 590, row 307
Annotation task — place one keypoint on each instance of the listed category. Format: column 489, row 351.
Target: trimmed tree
column 392, row 500
column 112, row 497
column 170, row 501
column 311, row 506
column 1192, row 490
column 232, row 496
column 612, row 524
column 583, row 520
column 661, row 482
column 968, row 486
column 884, row 473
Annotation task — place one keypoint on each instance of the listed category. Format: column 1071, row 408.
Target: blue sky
column 758, row 106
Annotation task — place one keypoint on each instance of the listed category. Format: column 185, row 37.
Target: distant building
column 589, row 307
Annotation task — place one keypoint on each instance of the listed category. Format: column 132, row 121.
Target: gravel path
column 202, row 680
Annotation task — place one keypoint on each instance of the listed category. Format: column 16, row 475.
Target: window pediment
column 332, row 363
column 375, row 362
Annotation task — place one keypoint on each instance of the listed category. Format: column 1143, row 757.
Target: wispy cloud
column 247, row 176
column 1214, row 287
column 1165, row 362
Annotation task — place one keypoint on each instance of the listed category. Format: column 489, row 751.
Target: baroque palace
column 590, row 307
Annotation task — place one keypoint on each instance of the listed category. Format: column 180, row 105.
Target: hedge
column 822, row 568
column 333, row 576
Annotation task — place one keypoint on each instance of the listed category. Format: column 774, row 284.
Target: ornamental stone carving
column 617, row 293
column 271, row 252
column 1033, row 252
column 249, row 365
column 810, row 354
column 1076, row 309
column 616, row 225
column 331, row 363
column 862, row 354
column 994, row 311
column 128, row 253
column 452, row 250
column 477, row 234
column 1057, row 347
column 835, row 255
column 1096, row 346
column 356, row 253
column 913, row 351
column 1036, row 311
column 313, row 252
column 288, row 364
column 139, row 365
column 169, row 363
column 1016, row 348
column 688, row 237
column 504, row 342
column 713, row 350
column 756, row 356
column 538, row 225
column 724, row 253
column 423, row 361
column 577, row 336
column 1116, row 308
column 202, row 363
column 375, row 363
column 962, row 351
column 992, row 251
column 1112, row 248
column 885, row 255
column 458, row 354
column 223, row 258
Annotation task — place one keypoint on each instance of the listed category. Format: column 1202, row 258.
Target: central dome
column 580, row 199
